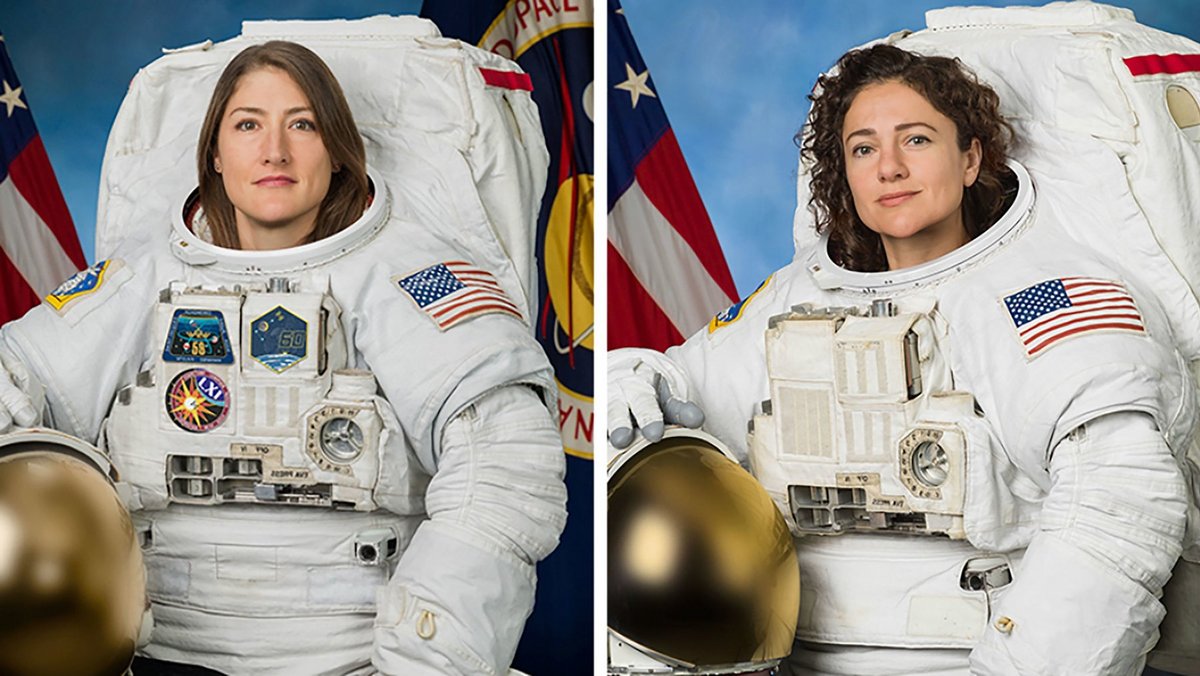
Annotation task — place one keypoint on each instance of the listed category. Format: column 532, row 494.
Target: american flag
column 1057, row 309
column 38, row 244
column 666, row 272
column 455, row 291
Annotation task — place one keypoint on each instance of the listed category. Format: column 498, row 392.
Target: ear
column 974, row 157
column 216, row 162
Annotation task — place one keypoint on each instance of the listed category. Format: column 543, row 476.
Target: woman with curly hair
column 983, row 409
column 955, row 128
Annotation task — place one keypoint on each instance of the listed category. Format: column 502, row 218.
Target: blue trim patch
column 198, row 336
column 80, row 284
column 278, row 339
column 734, row 312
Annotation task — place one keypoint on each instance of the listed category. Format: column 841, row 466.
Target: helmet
column 72, row 584
column 702, row 574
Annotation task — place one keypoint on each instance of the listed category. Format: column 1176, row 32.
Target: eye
column 919, row 140
column 245, row 125
column 861, row 151
column 304, row 125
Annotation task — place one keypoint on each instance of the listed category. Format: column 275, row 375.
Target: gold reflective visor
column 72, row 586
column 701, row 566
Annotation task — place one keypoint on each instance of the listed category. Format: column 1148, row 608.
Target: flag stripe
column 632, row 308
column 1087, row 306
column 664, row 263
column 468, row 298
column 1089, row 327
column 17, row 297
column 29, row 243
column 34, row 178
column 664, row 178
column 479, row 309
column 1163, row 64
column 1080, row 317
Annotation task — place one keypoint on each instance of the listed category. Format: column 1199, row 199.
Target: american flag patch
column 1055, row 310
column 455, row 291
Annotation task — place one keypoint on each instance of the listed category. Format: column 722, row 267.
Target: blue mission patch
column 278, row 339
column 198, row 336
column 734, row 312
column 80, row 284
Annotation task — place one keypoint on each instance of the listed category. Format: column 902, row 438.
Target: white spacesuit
column 340, row 454
column 979, row 396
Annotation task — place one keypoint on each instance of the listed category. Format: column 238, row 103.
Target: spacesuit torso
column 280, row 418
column 913, row 415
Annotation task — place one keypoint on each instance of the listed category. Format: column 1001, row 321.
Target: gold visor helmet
column 72, row 583
column 702, row 573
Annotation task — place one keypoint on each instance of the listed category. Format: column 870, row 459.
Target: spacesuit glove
column 461, row 593
column 1084, row 599
column 21, row 396
column 646, row 391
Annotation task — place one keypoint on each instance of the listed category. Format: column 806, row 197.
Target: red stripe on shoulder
column 507, row 79
column 1163, row 64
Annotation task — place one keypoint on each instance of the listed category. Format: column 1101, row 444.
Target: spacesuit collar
column 829, row 276
column 192, row 250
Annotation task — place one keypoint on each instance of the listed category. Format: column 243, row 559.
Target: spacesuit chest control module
column 845, row 384
column 284, row 423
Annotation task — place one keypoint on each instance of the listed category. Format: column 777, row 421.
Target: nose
column 275, row 150
column 891, row 165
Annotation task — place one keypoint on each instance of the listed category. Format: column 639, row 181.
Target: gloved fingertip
column 689, row 415
column 621, row 437
column 25, row 416
column 5, row 421
column 654, row 431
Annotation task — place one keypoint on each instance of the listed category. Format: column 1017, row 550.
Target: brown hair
column 950, row 88
column 349, row 187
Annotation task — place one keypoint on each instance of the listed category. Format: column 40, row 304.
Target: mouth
column 897, row 198
column 277, row 181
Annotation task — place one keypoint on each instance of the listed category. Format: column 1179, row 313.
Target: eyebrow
column 260, row 111
column 900, row 127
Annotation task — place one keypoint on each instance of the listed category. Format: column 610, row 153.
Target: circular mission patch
column 197, row 400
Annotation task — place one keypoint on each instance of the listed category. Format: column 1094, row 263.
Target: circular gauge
column 341, row 439
column 930, row 464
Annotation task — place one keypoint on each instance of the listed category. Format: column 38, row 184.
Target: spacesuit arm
column 78, row 355
column 461, row 593
column 1084, row 599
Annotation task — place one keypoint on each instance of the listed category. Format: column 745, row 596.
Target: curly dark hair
column 953, row 91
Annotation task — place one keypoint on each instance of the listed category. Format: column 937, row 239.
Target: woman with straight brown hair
column 241, row 129
column 332, row 425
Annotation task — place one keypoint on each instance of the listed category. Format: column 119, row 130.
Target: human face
column 272, row 160
column 907, row 173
